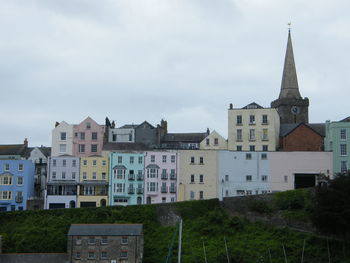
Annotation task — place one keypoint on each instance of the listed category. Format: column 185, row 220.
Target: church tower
column 291, row 107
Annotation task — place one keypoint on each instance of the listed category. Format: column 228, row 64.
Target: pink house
column 87, row 138
column 161, row 176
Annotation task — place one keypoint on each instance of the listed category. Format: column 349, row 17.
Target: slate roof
column 184, row 137
column 13, row 149
column 119, row 167
column 124, row 146
column 129, row 126
column 253, row 105
column 286, row 129
column 346, row 119
column 152, row 166
column 106, row 230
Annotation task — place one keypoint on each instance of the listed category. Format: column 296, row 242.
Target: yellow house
column 214, row 141
column 93, row 182
column 253, row 128
column 198, row 175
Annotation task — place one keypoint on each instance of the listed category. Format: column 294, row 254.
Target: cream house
column 214, row 141
column 253, row 128
column 62, row 139
column 198, row 175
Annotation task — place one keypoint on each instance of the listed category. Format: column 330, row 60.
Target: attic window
column 88, row 125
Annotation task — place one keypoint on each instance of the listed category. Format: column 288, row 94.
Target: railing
column 131, row 177
column 140, row 190
column 172, row 190
column 139, row 177
column 172, row 176
column 164, row 177
column 131, row 190
column 164, row 189
column 19, row 199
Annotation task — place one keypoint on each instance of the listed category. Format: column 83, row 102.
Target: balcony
column 139, row 177
column 172, row 189
column 19, row 199
column 131, row 177
column 139, row 190
column 164, row 177
column 131, row 190
column 164, row 189
column 172, row 176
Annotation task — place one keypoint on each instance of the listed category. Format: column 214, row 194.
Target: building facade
column 253, row 128
column 161, row 176
column 126, row 181
column 62, row 182
column 124, row 134
column 214, row 141
column 243, row 173
column 198, row 174
column 62, row 139
column 338, row 141
column 93, row 182
column 16, row 184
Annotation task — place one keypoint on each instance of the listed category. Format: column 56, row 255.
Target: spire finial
column 289, row 26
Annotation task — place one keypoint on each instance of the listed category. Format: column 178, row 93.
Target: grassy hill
column 204, row 222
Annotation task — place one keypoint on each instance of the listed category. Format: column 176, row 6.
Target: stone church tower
column 291, row 107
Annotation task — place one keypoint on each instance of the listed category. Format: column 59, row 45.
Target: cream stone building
column 253, row 128
column 198, row 175
column 62, row 139
column 214, row 141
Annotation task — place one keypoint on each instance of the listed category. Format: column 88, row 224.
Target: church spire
column 289, row 85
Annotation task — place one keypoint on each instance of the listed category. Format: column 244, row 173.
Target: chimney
column 208, row 131
column 231, row 106
column 25, row 142
column 56, row 124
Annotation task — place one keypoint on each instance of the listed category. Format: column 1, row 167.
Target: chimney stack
column 25, row 142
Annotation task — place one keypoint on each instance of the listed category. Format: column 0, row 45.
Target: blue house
column 16, row 184
column 126, row 178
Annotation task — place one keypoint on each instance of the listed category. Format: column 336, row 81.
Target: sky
column 181, row 60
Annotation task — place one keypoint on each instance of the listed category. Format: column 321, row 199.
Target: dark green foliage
column 293, row 200
column 332, row 210
column 260, row 206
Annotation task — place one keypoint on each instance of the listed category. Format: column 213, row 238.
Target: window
column 120, row 174
column 120, row 159
column 88, row 125
column 264, row 178
column 286, row 178
column 94, row 162
column 5, row 195
column 251, row 119
column 124, row 254
column 252, row 134
column 248, row 156
column 6, row 180
column 164, row 158
column 78, row 241
column 226, row 193
column 93, row 148
column 153, row 158
column 248, row 178
column 201, row 160
column 239, row 135
column 343, row 149
column 140, row 159
column 131, row 159
column 201, row 178
column 239, row 120
column 192, row 160
column 63, row 136
column 104, row 255
column 54, row 162
column 64, row 163
column 192, row 195
column 226, row 177
column 249, row 192
column 73, row 175
column 74, row 163
column 62, row 148
column 63, row 175
column 216, row 141
column 91, row 255
column 252, row 148
column 104, row 162
column 192, row 178
column 20, row 167
column 103, row 176
column 81, row 148
column 263, row 156
column 77, row 255
column 82, row 136
column 153, row 187
column 94, row 136
column 265, row 148
column 53, row 175
column 240, row 192
column 163, row 199
column 172, row 199
column 130, row 137
column 264, row 135
column 173, row 157
column 264, row 119
column 239, row 148
column 201, row 195
column 343, row 166
column 20, row 180
column 124, row 240
column 84, row 175
column 104, row 240
column 84, row 162
column 207, row 141
column 120, row 188
column 94, row 176
column 343, row 134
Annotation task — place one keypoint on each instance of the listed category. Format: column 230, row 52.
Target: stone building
column 291, row 107
column 122, row 243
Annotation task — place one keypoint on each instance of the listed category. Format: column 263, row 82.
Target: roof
column 13, row 149
column 152, row 166
column 253, row 105
column 119, row 167
column 184, row 137
column 93, row 182
column 286, row 129
column 129, row 126
column 346, row 119
column 106, row 230
column 125, row 146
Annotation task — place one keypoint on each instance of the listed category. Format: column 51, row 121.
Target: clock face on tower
column 295, row 110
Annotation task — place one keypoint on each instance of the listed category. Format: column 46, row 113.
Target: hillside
column 205, row 222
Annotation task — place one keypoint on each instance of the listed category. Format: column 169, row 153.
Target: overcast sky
column 181, row 60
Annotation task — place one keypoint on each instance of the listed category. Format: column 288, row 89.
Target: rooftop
column 106, row 230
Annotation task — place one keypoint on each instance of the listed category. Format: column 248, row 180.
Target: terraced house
column 161, row 176
column 93, row 182
column 62, row 182
column 16, row 184
column 126, row 178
